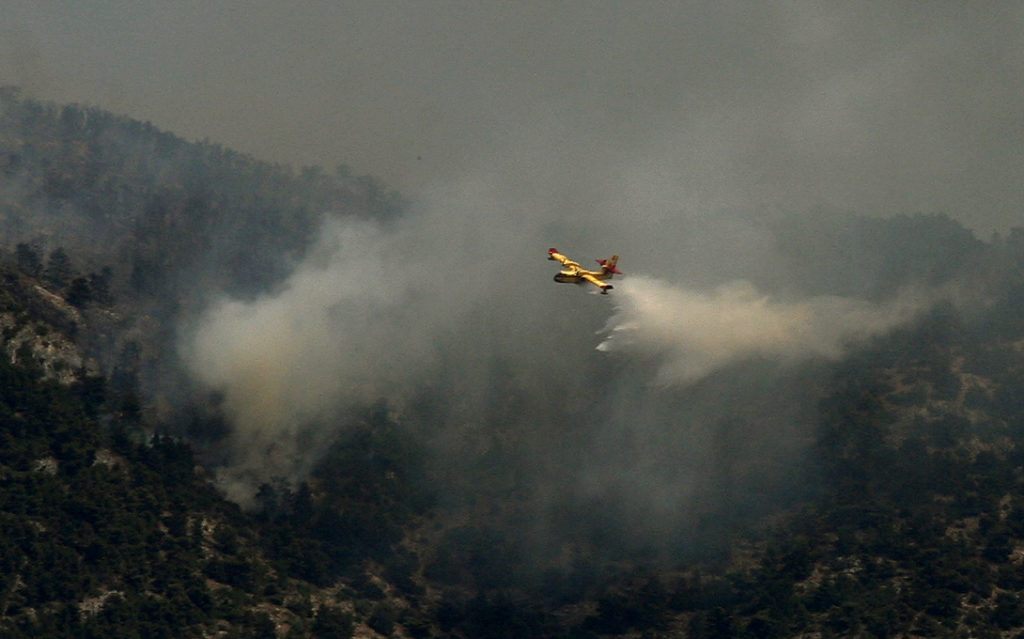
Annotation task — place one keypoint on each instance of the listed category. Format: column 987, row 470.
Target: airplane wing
column 596, row 282
column 553, row 254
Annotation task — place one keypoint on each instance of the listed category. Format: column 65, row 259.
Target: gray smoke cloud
column 456, row 299
column 334, row 331
column 375, row 312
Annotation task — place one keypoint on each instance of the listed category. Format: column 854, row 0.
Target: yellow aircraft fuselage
column 576, row 274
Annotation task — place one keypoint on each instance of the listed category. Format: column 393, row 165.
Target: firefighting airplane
column 575, row 274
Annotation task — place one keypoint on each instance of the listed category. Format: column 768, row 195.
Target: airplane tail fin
column 608, row 266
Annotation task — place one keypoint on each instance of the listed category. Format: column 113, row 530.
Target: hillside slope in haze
column 151, row 224
column 913, row 526
column 105, row 531
column 109, row 527
column 542, row 488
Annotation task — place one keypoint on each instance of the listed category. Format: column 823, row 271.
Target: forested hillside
column 102, row 206
column 897, row 511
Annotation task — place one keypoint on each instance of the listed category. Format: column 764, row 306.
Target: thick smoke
column 455, row 302
column 375, row 312
column 282, row 359
column 346, row 328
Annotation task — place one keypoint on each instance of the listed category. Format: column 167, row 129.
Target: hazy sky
column 648, row 108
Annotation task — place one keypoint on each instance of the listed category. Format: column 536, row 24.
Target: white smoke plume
column 340, row 331
column 692, row 334
column 372, row 313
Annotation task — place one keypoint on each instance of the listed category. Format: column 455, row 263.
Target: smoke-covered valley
column 272, row 313
column 394, row 386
